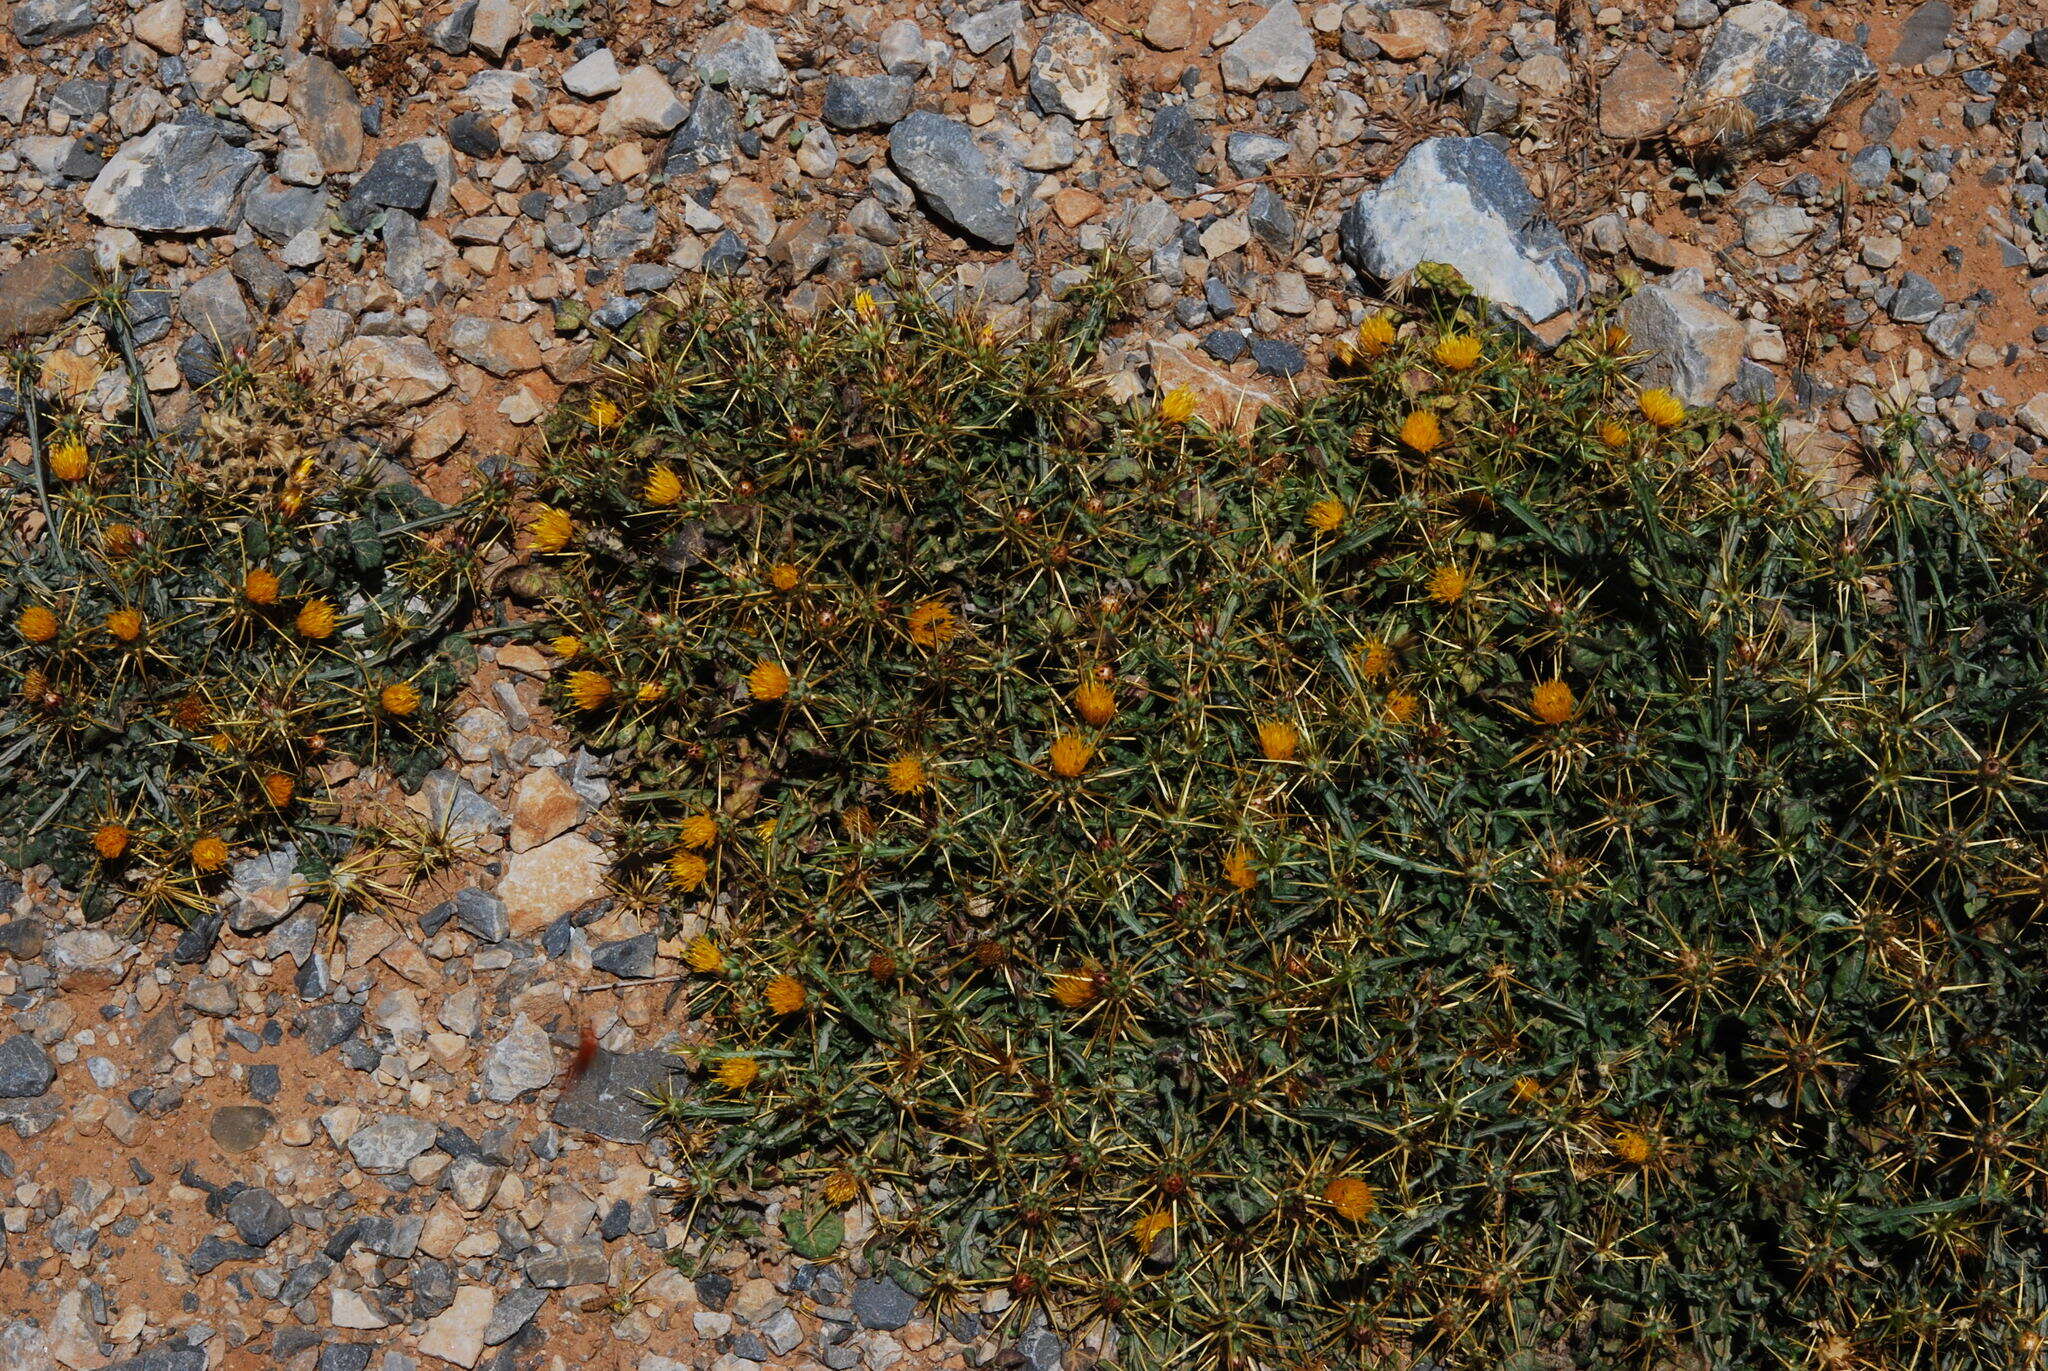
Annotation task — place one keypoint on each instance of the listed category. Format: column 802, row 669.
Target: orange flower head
column 400, row 698
column 1376, row 660
column 261, row 586
column 907, row 774
column 1351, row 1197
column 1661, row 408
column 1278, row 740
column 37, row 624
column 68, row 461
column 785, row 994
column 663, row 486
column 278, row 788
column 1095, row 702
column 1071, row 755
column 687, row 870
column 1146, row 1231
column 1631, row 1148
column 603, row 414
column 125, row 624
column 768, row 680
column 551, row 529
column 1552, row 702
column 110, row 840
column 316, row 619
column 589, row 690
column 1613, row 433
column 1422, row 432
column 1376, row 334
column 932, row 623
column 209, row 854
column 1448, row 583
column 785, row 577
column 737, row 1073
column 841, row 1188
column 1458, row 351
column 1403, row 706
column 1327, row 516
column 1073, row 988
column 566, row 646
column 703, row 955
column 1238, row 869
column 699, row 831
column 1528, row 1090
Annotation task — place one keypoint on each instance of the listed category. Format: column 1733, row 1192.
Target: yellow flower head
column 841, row 1187
column 650, row 692
column 551, row 529
column 1073, row 988
column 566, row 646
column 1403, row 706
column 784, row 577
column 1238, row 869
column 1631, row 1148
column 1177, row 406
column 1095, row 702
column 699, row 831
column 1376, row 659
column 907, row 774
column 1278, row 740
column 1613, row 433
column 785, row 994
column 261, row 586
column 864, row 303
column 703, row 955
column 1458, row 351
column 1448, row 583
column 932, row 622
column 278, row 789
column 1376, row 334
column 1421, row 431
column 110, row 840
column 1351, row 1197
column 68, row 461
column 1552, row 702
column 589, row 690
column 1071, row 755
column 1146, row 1231
column 209, row 854
column 1327, row 516
column 316, row 619
column 768, row 680
column 1527, row 1090
column 125, row 624
column 123, row 540
column 1661, row 408
column 400, row 698
column 737, row 1073
column 603, row 414
column 37, row 624
column 687, row 870
column 663, row 486
column 1616, row 338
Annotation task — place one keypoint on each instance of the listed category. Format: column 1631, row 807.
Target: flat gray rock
column 606, row 1099
column 25, row 1069
column 1073, row 70
column 1765, row 83
column 43, row 290
column 1694, row 346
column 180, row 177
column 386, row 1145
column 740, row 57
column 45, row 21
column 939, row 157
column 866, row 102
column 1458, row 201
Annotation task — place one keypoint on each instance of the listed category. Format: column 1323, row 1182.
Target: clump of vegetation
column 1489, row 866
column 198, row 627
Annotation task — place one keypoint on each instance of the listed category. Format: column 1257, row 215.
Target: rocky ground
column 261, row 1145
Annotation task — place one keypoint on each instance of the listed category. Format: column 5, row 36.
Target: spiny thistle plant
column 199, row 628
column 1490, row 866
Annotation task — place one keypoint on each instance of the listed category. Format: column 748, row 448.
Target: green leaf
column 816, row 1236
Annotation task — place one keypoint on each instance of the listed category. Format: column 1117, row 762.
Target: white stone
column 594, row 77
column 456, row 1334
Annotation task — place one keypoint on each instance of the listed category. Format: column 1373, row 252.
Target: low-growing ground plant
column 1489, row 866
column 199, row 625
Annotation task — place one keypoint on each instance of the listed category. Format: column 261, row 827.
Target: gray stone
column 180, row 177
column 214, row 1252
column 259, row 1217
column 1950, row 333
column 630, row 958
column 582, row 1264
column 240, row 1127
column 1487, row 105
column 1458, row 201
column 43, row 290
column 1073, row 70
column 1177, row 139
column 866, row 102
column 881, row 1303
column 982, row 31
column 518, row 1063
column 594, row 76
column 264, row 890
column 214, row 307
column 1253, row 154
column 607, row 1098
column 280, row 212
column 1917, row 300
column 400, row 178
column 1776, row 230
column 1041, row 1348
column 515, row 1310
column 706, row 136
column 330, row 116
column 938, row 156
column 903, row 49
column 386, row 1145
column 1694, row 346
column 1765, row 83
column 1271, row 221
column 25, row 1069
column 36, row 22
column 1276, row 51
column 1924, row 34
column 740, row 57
